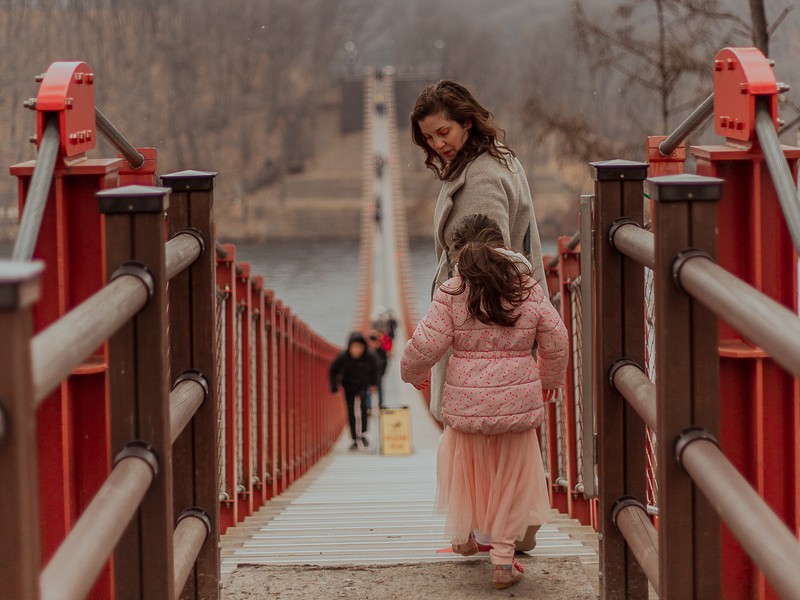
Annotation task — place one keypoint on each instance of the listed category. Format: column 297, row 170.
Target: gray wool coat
column 487, row 187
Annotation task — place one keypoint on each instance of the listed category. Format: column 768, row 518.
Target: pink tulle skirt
column 491, row 484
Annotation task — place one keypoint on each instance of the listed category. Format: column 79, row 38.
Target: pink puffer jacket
column 494, row 384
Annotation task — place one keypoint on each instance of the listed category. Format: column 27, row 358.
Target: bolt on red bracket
column 68, row 89
column 741, row 74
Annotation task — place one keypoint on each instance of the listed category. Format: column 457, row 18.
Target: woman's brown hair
column 497, row 283
column 457, row 104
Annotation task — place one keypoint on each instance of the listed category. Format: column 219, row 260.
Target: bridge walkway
column 364, row 509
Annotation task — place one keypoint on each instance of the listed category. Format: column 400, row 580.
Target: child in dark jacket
column 356, row 370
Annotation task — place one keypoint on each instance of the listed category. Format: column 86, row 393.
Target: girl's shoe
column 468, row 549
column 507, row 575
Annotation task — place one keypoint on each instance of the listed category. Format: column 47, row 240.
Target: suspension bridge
column 167, row 430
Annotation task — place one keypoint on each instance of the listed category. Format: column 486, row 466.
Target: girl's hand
column 424, row 385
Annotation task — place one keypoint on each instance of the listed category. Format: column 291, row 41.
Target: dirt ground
column 545, row 579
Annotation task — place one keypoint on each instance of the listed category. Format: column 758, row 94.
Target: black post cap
column 190, row 181
column 19, row 283
column 684, row 188
column 619, row 170
column 134, row 199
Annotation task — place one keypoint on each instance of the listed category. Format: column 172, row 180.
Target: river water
column 317, row 279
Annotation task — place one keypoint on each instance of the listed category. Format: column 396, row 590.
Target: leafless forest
column 240, row 86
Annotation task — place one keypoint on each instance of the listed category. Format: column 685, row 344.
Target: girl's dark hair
column 497, row 284
column 457, row 104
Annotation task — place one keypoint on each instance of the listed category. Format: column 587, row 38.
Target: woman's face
column 446, row 137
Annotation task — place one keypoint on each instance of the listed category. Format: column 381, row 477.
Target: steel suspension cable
column 692, row 122
column 779, row 170
column 36, row 199
column 113, row 135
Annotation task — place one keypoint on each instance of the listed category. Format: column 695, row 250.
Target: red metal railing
column 249, row 412
column 756, row 422
column 277, row 416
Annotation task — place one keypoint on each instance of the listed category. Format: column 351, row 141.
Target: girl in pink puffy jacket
column 491, row 314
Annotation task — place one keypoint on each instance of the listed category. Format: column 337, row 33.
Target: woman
column 480, row 174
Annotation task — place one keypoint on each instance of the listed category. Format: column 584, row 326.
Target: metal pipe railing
column 181, row 251
column 572, row 243
column 187, row 540
column 779, row 170
column 71, row 572
column 634, row 241
column 758, row 317
column 132, row 155
column 636, row 387
column 184, row 400
column 38, row 191
column 632, row 520
column 693, row 121
column 65, row 344
column 768, row 542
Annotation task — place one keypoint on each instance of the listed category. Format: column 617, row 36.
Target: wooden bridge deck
column 362, row 508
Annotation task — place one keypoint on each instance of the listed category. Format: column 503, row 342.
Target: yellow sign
column 396, row 431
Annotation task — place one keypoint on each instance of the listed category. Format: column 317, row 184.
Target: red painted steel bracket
column 68, row 89
column 741, row 74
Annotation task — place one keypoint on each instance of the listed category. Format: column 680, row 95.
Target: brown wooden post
column 139, row 387
column 19, row 520
column 619, row 301
column 192, row 206
column 687, row 386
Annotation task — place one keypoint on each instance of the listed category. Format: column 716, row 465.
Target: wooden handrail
column 190, row 533
column 631, row 519
column 765, row 538
column 71, row 572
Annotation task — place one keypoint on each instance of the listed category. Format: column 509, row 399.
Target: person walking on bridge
column 356, row 370
column 480, row 174
column 490, row 476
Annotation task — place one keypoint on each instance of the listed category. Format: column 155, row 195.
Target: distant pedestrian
column 490, row 476
column 383, row 361
column 355, row 370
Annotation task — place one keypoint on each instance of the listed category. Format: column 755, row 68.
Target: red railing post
column 226, row 282
column 20, row 559
column 558, row 492
column 291, row 394
column 193, row 346
column 282, row 337
column 139, row 386
column 569, row 269
column 272, row 380
column 244, row 298
column 73, row 439
column 260, row 460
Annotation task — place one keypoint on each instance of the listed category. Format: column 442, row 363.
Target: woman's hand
column 424, row 385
